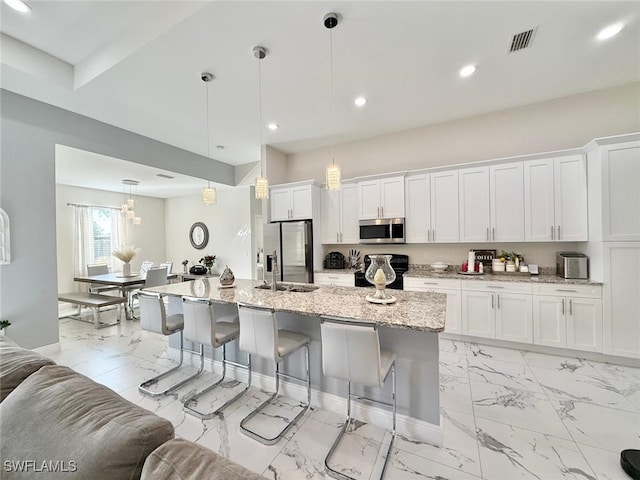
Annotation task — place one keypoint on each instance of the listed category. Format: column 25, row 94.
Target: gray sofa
column 56, row 423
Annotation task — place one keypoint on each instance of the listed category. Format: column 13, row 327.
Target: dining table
column 124, row 283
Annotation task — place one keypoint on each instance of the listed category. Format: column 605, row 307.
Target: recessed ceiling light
column 273, row 126
column 607, row 32
column 468, row 70
column 360, row 101
column 18, row 5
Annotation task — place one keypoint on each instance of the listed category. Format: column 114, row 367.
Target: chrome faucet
column 274, row 271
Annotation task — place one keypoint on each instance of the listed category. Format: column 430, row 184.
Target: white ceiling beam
column 131, row 40
column 35, row 62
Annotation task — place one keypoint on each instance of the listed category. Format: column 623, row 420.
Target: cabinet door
column 392, row 197
column 453, row 323
column 621, row 193
column 330, row 204
column 349, row 214
column 621, row 299
column 280, row 204
column 417, row 224
column 507, row 202
column 570, row 185
column 549, row 321
column 478, row 314
column 539, row 222
column 369, row 199
column 584, row 323
column 444, row 207
column 301, row 203
column 513, row 317
column 474, row 204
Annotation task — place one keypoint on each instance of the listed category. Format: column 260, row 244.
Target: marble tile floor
column 507, row 414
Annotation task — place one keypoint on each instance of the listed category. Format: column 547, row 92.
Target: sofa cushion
column 58, row 415
column 180, row 459
column 16, row 364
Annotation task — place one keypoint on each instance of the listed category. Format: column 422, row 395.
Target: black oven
column 399, row 263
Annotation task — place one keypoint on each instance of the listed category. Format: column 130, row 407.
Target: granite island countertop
column 418, row 311
column 488, row 277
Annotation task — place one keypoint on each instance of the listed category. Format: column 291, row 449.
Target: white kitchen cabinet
column 621, row 192
column 500, row 310
column 381, row 198
column 555, row 199
column 292, row 202
column 444, row 207
column 621, row 298
column 338, row 279
column 568, row 316
column 491, row 203
column 417, row 224
column 451, row 288
column 340, row 215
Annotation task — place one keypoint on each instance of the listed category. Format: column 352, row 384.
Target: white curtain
column 83, row 240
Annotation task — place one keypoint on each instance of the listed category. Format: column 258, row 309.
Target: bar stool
column 351, row 352
column 206, row 326
column 153, row 318
column 259, row 335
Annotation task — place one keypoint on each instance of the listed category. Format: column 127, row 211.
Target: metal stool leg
column 144, row 386
column 191, row 402
column 282, row 433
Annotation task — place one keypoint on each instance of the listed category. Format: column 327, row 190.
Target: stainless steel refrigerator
column 293, row 244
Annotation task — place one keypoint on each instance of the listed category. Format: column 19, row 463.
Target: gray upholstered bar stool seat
column 154, row 318
column 209, row 325
column 351, row 352
column 259, row 335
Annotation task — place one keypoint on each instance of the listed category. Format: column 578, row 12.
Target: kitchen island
column 409, row 328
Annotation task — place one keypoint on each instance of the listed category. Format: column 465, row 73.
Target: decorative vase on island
column 227, row 277
column 380, row 274
column 126, row 269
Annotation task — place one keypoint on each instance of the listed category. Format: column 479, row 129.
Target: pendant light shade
column 334, row 175
column 209, row 195
column 262, row 184
column 127, row 207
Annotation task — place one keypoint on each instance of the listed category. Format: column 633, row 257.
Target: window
column 99, row 231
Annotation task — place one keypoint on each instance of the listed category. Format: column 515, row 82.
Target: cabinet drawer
column 338, row 279
column 423, row 284
column 586, row 291
column 497, row 287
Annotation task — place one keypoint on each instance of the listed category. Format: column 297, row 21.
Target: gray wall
column 29, row 132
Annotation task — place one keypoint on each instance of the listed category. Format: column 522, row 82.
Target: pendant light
column 209, row 196
column 127, row 207
column 262, row 184
column 333, row 171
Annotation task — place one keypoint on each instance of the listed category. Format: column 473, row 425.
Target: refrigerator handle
column 269, row 263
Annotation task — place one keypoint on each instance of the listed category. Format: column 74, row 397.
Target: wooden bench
column 94, row 301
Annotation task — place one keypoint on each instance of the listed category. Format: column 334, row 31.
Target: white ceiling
column 137, row 64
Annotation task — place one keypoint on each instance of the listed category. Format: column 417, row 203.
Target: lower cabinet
column 334, row 279
column 568, row 316
column 501, row 311
column 451, row 288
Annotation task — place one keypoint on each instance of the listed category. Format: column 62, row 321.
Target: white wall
column 229, row 223
column 149, row 236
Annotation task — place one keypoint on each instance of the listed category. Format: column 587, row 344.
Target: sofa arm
column 72, row 424
column 180, row 459
column 16, row 364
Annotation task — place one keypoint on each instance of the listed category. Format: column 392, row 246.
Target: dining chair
column 146, row 265
column 169, row 266
column 99, row 269
column 155, row 277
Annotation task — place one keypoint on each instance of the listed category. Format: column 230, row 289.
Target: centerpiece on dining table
column 380, row 274
column 208, row 261
column 125, row 254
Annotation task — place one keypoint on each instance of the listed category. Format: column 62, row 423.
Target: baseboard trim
column 412, row 428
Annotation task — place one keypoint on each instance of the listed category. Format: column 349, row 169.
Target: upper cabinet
column 292, row 202
column 555, row 199
column 491, row 203
column 432, row 207
column 381, row 198
column 340, row 214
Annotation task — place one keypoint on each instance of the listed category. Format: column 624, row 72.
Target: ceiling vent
column 522, row 40
column 162, row 175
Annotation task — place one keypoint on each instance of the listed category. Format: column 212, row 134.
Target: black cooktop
column 399, row 263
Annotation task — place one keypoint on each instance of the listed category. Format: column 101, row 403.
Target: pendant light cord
column 206, row 86
column 260, row 110
column 333, row 140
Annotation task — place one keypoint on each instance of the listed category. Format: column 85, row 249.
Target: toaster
column 572, row 265
column 334, row 260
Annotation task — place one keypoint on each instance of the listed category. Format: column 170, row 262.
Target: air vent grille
column 162, row 175
column 521, row 40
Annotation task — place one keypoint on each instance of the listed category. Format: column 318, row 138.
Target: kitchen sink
column 288, row 288
column 266, row 286
column 301, row 288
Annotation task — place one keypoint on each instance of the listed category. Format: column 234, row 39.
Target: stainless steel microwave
column 382, row 230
